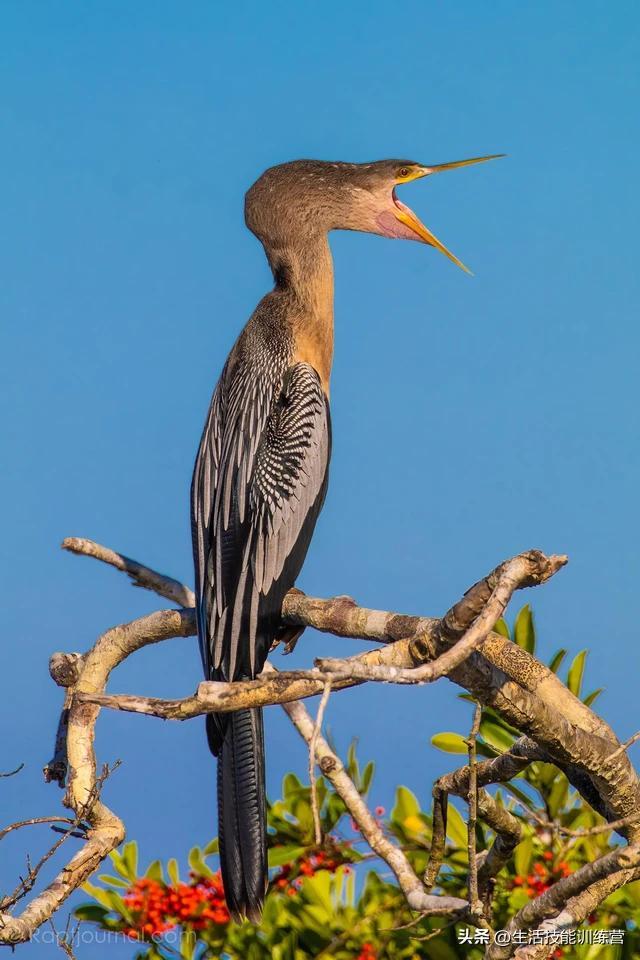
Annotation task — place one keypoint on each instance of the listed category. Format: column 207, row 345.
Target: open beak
column 406, row 216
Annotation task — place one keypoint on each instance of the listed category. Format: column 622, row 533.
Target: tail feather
column 242, row 814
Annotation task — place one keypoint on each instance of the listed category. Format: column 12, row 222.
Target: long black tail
column 242, row 814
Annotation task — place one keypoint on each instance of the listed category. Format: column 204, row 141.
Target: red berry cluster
column 542, row 876
column 290, row 876
column 367, row 952
column 157, row 907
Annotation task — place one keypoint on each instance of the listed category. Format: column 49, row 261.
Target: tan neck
column 305, row 273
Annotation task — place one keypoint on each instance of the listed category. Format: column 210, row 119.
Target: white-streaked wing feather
column 260, row 471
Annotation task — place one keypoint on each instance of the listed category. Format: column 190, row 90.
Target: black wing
column 258, row 486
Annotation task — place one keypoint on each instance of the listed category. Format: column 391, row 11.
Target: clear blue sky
column 473, row 418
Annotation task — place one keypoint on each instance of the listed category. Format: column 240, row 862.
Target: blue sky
column 473, row 417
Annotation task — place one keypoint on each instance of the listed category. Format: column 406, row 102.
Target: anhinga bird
column 261, row 472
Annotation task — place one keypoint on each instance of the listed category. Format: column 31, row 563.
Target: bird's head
column 294, row 201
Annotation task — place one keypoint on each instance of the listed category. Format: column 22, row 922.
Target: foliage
column 338, row 901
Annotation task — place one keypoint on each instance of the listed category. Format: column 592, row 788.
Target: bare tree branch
column 312, row 762
column 536, row 701
column 556, row 726
column 141, row 576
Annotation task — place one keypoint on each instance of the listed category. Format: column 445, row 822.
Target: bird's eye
column 404, row 172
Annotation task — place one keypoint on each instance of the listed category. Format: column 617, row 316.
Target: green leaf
column 173, row 871
column 130, row 856
column 496, row 735
column 556, row 660
column 284, row 949
column 333, row 812
column 524, row 797
column 197, row 864
column 558, row 796
column 113, row 881
column 350, row 887
column 542, row 776
column 154, row 871
column 187, row 945
column 291, row 786
column 439, row 950
column 502, row 628
column 212, row 847
column 353, row 767
column 576, row 672
column 593, row 696
column 321, row 789
column 126, row 863
column 155, row 954
column 524, row 632
column 317, row 890
column 406, row 805
column 449, row 742
column 456, row 827
column 367, row 777
column 104, row 897
column 90, row 912
column 519, row 897
column 485, row 749
column 522, row 856
column 286, row 853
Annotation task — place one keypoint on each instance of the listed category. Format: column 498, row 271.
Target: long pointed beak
column 455, row 164
column 408, row 217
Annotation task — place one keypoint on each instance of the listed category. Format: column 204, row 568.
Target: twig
column 624, row 746
column 33, row 821
column 317, row 827
column 12, row 773
column 474, row 900
column 26, row 884
column 65, row 941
